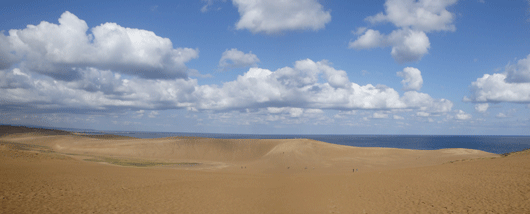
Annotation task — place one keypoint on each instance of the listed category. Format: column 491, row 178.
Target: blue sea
column 493, row 144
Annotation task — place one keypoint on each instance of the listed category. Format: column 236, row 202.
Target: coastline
column 43, row 172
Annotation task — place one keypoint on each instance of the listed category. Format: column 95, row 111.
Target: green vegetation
column 107, row 137
column 26, row 147
column 135, row 163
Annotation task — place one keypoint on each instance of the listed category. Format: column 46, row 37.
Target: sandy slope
column 253, row 176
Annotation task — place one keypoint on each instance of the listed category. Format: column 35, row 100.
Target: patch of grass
column 135, row 163
column 94, row 160
column 108, row 137
column 26, row 147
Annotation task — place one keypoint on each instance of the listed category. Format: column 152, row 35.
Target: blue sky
column 268, row 67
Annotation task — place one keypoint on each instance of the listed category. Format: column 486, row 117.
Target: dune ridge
column 47, row 173
column 264, row 155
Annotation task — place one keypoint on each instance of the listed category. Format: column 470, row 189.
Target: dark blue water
column 493, row 144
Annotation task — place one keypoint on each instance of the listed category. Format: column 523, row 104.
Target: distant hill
column 52, row 128
column 9, row 129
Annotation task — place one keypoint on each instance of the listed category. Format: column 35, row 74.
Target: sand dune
column 47, row 173
column 258, row 155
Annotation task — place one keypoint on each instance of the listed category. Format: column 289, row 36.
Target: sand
column 47, row 172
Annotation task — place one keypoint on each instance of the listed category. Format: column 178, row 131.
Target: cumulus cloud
column 370, row 39
column 306, row 88
column 461, row 115
column 422, row 114
column 422, row 15
column 293, row 112
column 95, row 90
column 234, row 58
column 275, row 16
column 299, row 86
column 14, row 79
column 153, row 114
column 520, row 72
column 413, row 19
column 139, row 114
column 494, row 89
column 512, row 85
column 6, row 57
column 397, row 117
column 501, row 115
column 360, row 30
column 425, row 102
column 412, row 79
column 61, row 50
column 379, row 115
column 482, row 107
column 407, row 45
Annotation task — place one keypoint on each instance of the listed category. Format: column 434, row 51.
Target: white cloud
column 153, row 114
column 6, row 57
column 207, row 6
column 60, row 50
column 423, row 114
column 461, row 115
column 303, row 90
column 413, row 19
column 425, row 102
column 360, row 30
column 397, row 117
column 412, row 79
column 370, row 39
column 379, row 115
column 234, row 58
column 139, row 114
column 345, row 114
column 422, row 15
column 520, row 72
column 275, row 16
column 14, row 79
column 501, row 115
column 513, row 85
column 407, row 45
column 195, row 73
column 300, row 86
column 494, row 89
column 293, row 112
column 284, row 115
column 482, row 107
column 95, row 90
